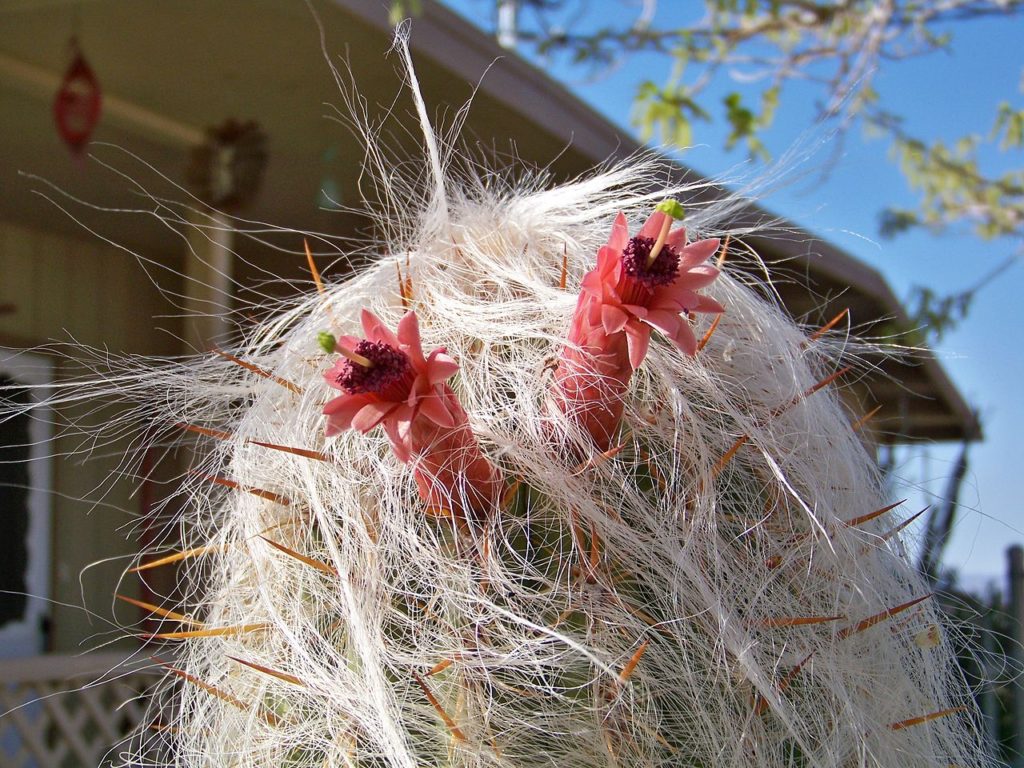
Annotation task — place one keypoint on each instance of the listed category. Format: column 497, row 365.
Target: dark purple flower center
column 662, row 271
column 390, row 367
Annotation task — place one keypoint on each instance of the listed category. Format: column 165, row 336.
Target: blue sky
column 942, row 96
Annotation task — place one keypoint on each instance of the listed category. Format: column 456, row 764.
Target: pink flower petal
column 684, row 338
column 664, row 319
column 440, row 366
column 402, row 418
column 706, row 304
column 435, row 409
column 671, row 298
column 375, row 330
column 680, row 295
column 343, row 408
column 612, row 318
column 697, row 277
column 409, row 329
column 677, row 238
column 619, row 236
column 371, row 414
column 347, row 342
column 638, row 338
column 652, row 227
column 399, row 444
column 331, row 374
column 593, row 284
column 409, row 338
column 609, row 266
column 636, row 310
column 698, row 252
column 590, row 312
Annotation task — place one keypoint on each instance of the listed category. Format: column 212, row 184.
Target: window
column 25, row 487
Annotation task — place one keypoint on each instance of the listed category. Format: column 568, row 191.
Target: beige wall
column 64, row 288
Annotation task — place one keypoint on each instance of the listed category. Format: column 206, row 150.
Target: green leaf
column 769, row 104
column 743, row 122
column 669, row 110
column 1009, row 127
column 399, row 10
column 893, row 221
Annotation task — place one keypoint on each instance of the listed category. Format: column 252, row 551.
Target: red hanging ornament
column 76, row 108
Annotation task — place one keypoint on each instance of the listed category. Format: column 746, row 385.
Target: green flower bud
column 672, row 207
column 326, row 341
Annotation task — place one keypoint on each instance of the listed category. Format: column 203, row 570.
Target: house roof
column 169, row 70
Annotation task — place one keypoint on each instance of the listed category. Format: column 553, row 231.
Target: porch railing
column 67, row 711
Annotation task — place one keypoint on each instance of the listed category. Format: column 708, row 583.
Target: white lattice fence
column 54, row 713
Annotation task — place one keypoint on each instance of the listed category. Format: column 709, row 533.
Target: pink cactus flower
column 631, row 292
column 640, row 283
column 387, row 381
